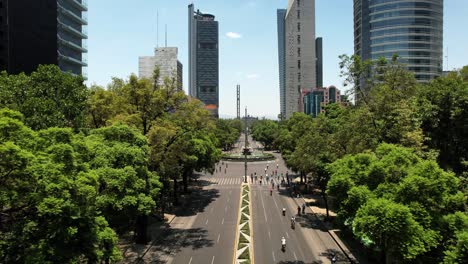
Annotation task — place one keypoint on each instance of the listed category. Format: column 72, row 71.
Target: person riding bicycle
column 283, row 242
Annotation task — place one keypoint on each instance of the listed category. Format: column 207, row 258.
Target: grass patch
column 244, row 203
column 245, row 255
column 242, row 239
column 244, row 218
column 246, row 228
column 241, row 245
column 246, row 210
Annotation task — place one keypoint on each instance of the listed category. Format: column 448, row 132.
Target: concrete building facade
column 204, row 59
column 281, row 16
column 43, row 32
column 166, row 60
column 412, row 29
column 300, row 53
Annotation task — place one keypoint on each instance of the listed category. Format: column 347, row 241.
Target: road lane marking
column 269, row 235
column 225, row 209
column 287, row 234
column 229, row 198
column 264, row 211
column 212, row 260
column 295, row 257
column 222, row 221
column 190, row 260
column 219, row 235
column 206, row 222
column 274, row 259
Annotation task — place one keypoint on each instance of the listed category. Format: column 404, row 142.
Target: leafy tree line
column 80, row 166
column 394, row 163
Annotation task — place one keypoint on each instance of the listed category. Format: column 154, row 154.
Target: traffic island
column 244, row 242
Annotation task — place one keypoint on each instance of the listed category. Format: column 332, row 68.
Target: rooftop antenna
column 166, row 35
column 157, row 29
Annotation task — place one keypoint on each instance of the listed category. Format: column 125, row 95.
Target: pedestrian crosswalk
column 224, row 181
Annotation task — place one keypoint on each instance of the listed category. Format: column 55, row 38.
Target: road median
column 243, row 247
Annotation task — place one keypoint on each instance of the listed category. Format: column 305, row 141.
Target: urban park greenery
column 81, row 167
column 395, row 162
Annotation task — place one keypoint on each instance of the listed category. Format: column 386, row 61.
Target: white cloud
column 253, row 76
column 233, row 35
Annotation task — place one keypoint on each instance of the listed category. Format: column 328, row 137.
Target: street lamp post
column 245, row 147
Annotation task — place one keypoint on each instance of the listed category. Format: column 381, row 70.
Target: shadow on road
column 197, row 202
column 175, row 240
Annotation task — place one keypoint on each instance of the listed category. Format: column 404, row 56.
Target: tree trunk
column 185, row 180
column 141, row 229
column 325, row 200
column 176, row 198
column 302, row 177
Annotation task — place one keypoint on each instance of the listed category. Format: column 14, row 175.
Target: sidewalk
column 320, row 213
column 135, row 253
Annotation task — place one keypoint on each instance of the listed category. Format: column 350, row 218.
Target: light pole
column 245, row 146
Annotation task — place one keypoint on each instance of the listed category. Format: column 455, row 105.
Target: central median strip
column 244, row 238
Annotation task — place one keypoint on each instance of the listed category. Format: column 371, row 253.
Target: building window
column 298, row 14
column 298, row 39
column 299, row 77
column 298, row 64
column 299, row 27
column 298, row 3
column 299, row 51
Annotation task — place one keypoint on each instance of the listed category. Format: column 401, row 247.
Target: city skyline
column 248, row 46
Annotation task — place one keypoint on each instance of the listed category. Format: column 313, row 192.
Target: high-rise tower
column 36, row 32
column 281, row 15
column 299, row 53
column 412, row 29
column 204, row 59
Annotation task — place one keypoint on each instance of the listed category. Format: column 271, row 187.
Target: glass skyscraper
column 412, row 29
column 204, row 59
column 36, row 32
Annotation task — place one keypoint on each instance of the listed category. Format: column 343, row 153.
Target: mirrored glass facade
column 411, row 29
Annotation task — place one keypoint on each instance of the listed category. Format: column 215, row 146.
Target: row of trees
column 395, row 163
column 79, row 167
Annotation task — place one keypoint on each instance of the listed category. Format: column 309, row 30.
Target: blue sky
column 120, row 31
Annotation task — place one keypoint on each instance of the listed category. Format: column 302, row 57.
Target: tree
column 392, row 228
column 47, row 98
column 264, row 131
column 443, row 105
column 47, row 199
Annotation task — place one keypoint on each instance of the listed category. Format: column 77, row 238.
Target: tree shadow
column 174, row 241
column 196, row 202
column 339, row 255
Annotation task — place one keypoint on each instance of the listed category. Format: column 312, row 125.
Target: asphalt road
column 307, row 243
column 205, row 231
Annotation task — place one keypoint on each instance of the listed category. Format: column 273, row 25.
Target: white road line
column 206, row 222
column 295, row 257
column 287, row 234
column 269, row 235
column 222, row 222
column 219, row 235
column 276, row 203
column 212, row 260
column 274, row 259
column 264, row 211
column 190, row 260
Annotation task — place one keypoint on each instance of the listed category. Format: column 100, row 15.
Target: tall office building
column 36, row 32
column 281, row 15
column 299, row 53
column 166, row 60
column 319, row 64
column 204, row 59
column 410, row 28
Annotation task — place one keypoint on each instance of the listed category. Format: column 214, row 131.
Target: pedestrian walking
column 303, row 208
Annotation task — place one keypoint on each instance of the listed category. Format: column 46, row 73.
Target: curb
column 165, row 229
